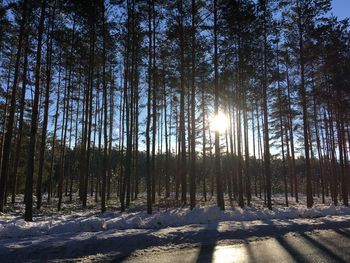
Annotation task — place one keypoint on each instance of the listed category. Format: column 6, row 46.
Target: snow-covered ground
column 85, row 232
column 90, row 220
column 14, row 226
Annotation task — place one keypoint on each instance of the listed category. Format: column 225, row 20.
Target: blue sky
column 341, row 8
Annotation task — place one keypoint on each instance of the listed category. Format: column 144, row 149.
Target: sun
column 219, row 122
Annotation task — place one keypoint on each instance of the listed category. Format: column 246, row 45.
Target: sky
column 341, row 8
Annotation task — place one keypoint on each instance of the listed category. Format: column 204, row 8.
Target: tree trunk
column 148, row 163
column 6, row 150
column 183, row 170
column 34, row 122
column 219, row 192
column 309, row 198
column 46, row 109
column 193, row 111
column 105, row 137
column 266, row 119
column 20, row 121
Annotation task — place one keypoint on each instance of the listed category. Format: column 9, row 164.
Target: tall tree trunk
column 284, row 170
column 291, row 132
column 239, row 157
column 266, row 119
column 246, row 153
column 62, row 161
column 166, row 169
column 341, row 153
column 204, row 165
column 154, row 105
column 20, row 121
column 318, row 144
column 219, row 192
column 193, row 111
column 105, row 137
column 46, row 110
column 282, row 128
column 309, row 198
column 89, row 106
column 111, row 120
column 183, row 169
column 34, row 122
column 6, row 150
column 4, row 120
column 148, row 161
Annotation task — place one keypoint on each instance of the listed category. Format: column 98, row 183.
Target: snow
column 90, row 235
column 116, row 244
column 14, row 226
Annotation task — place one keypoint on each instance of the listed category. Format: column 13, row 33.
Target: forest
column 176, row 103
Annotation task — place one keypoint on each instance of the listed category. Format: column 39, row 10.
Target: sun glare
column 219, row 122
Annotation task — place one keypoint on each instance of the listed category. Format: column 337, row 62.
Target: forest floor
column 74, row 234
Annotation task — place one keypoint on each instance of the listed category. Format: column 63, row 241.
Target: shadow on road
column 120, row 247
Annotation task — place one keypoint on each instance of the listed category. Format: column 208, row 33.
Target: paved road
column 321, row 246
column 299, row 240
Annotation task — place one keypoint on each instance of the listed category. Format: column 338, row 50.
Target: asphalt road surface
column 321, row 246
column 320, row 240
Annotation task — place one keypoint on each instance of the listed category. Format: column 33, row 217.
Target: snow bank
column 159, row 219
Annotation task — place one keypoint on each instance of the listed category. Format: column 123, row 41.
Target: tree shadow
column 294, row 253
column 207, row 247
column 323, row 249
column 121, row 245
column 298, row 256
column 342, row 232
column 69, row 246
column 211, row 250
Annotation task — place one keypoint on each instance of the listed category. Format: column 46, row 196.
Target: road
column 320, row 246
column 291, row 240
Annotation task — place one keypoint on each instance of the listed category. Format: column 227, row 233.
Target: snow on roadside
column 11, row 227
